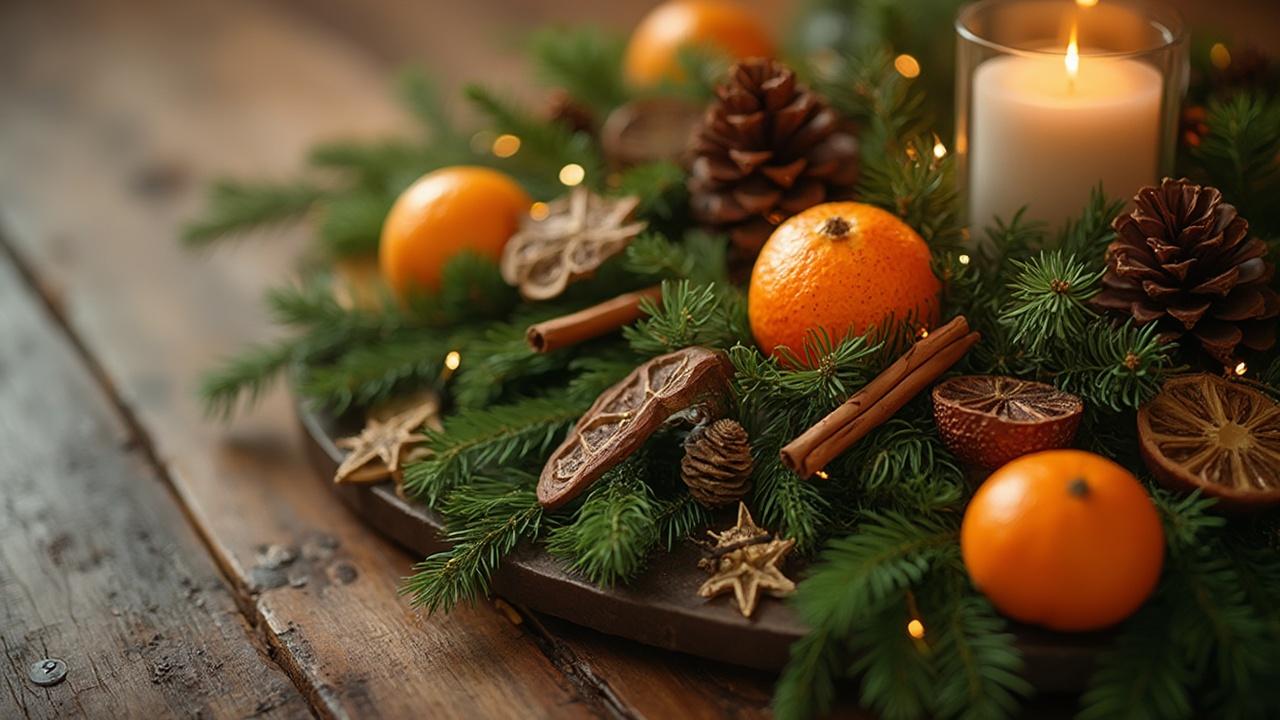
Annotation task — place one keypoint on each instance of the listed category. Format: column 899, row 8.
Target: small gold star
column 747, row 561
column 376, row 451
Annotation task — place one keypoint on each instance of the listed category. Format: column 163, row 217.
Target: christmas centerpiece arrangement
column 717, row 293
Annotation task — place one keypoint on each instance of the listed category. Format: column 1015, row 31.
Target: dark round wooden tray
column 660, row 607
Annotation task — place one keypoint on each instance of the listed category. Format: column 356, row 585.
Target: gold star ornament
column 579, row 232
column 375, row 453
column 747, row 561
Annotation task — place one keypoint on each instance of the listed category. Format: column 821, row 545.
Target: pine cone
column 717, row 463
column 1183, row 258
column 767, row 149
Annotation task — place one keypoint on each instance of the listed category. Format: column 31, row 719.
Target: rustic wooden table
column 181, row 568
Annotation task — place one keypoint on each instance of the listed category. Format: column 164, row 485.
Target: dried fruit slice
column 625, row 415
column 1204, row 432
column 988, row 420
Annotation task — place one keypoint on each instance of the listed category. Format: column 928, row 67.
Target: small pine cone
column 768, row 148
column 1183, row 258
column 563, row 110
column 717, row 463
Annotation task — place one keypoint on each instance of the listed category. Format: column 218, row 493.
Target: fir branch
column 351, row 225
column 545, row 146
column 245, row 377
column 899, row 466
column 660, row 187
column 807, row 686
column 807, row 385
column 794, row 507
column 887, row 555
column 586, row 62
column 1116, row 366
column 471, row 290
column 918, row 185
column 1142, row 676
column 368, row 373
column 491, row 517
column 422, row 98
column 596, row 373
column 1241, row 156
column 381, row 168
column 700, row 259
column 1048, row 300
column 499, row 358
column 867, row 88
column 1087, row 236
column 477, row 439
column 897, row 677
column 614, row 530
column 978, row 665
column 238, row 207
column 679, row 518
column 710, row 315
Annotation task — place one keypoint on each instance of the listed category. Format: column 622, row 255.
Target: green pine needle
column 708, row 315
column 239, row 207
column 478, row 439
column 586, row 62
column 699, row 259
column 492, row 515
column 614, row 530
column 1048, row 300
column 245, row 377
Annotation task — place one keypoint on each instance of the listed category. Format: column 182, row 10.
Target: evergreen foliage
column 885, row 523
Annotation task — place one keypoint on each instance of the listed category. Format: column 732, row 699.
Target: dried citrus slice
column 1221, row 437
column 988, row 420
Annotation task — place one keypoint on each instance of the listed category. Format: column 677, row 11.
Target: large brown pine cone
column 717, row 463
column 1184, row 258
column 768, row 148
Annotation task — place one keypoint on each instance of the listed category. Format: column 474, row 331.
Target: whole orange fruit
column 442, row 214
column 653, row 52
column 841, row 267
column 1065, row 539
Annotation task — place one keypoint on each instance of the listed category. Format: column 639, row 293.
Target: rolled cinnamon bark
column 880, row 398
column 590, row 323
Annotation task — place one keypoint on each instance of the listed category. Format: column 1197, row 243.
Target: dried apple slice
column 1221, row 437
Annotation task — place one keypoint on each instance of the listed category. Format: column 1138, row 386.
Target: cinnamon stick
column 925, row 362
column 589, row 323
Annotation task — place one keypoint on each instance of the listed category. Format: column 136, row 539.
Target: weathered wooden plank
column 98, row 565
column 113, row 116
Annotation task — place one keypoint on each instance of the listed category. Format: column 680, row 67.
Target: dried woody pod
column 624, row 416
column 717, row 463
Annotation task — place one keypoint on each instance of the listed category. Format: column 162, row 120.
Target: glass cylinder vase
column 1057, row 97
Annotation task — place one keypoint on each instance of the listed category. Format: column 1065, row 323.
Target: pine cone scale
column 717, row 463
column 1184, row 258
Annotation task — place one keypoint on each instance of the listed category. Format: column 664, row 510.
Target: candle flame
column 1073, row 56
column 1086, row 3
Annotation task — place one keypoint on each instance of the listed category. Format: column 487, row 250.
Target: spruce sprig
column 1048, row 300
column 917, row 184
column 586, row 62
column 486, row 519
column 711, row 315
column 615, row 529
column 699, row 259
column 482, row 438
column 1116, row 367
column 238, row 207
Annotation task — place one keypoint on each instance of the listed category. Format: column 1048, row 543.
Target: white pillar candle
column 1043, row 136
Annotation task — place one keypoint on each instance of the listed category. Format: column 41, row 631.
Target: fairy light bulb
column 453, row 360
column 506, row 145
column 907, row 66
column 915, row 629
column 572, row 174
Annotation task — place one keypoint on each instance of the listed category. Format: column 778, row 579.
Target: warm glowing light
column 963, row 259
column 823, row 474
column 453, row 360
column 572, row 174
column 1241, row 368
column 939, row 150
column 922, row 333
column 907, row 66
column 539, row 211
column 1086, row 3
column 1220, row 56
column 504, row 146
column 1073, row 56
column 915, row 629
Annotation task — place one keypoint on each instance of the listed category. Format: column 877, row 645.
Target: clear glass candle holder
column 1057, row 97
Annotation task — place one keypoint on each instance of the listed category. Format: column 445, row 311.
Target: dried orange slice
column 988, row 420
column 1205, row 432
